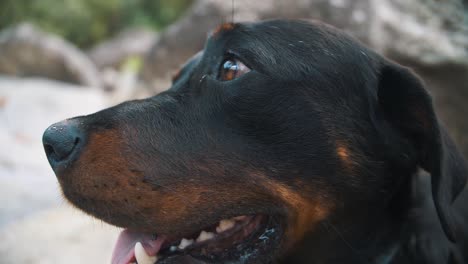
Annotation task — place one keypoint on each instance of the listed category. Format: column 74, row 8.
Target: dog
column 281, row 142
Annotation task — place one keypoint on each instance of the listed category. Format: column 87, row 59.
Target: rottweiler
column 281, row 142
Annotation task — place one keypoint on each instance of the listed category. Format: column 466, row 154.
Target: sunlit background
column 60, row 59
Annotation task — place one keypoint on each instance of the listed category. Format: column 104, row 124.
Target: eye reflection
column 232, row 69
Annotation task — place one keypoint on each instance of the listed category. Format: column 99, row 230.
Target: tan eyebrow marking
column 176, row 75
column 223, row 28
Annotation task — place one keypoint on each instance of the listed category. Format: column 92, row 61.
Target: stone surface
column 112, row 53
column 36, row 223
column 27, row 51
column 57, row 236
column 27, row 108
column 424, row 31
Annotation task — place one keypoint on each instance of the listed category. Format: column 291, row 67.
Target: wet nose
column 61, row 141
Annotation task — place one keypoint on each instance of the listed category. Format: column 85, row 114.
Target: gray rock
column 27, row 108
column 427, row 32
column 36, row 224
column 27, row 51
column 57, row 236
column 112, row 53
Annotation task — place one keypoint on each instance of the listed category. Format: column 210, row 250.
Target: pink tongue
column 124, row 250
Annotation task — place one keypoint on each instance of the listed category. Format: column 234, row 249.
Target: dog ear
column 408, row 107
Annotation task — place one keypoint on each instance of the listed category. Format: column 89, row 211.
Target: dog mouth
column 229, row 240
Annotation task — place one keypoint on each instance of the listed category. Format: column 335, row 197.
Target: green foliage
column 86, row 22
column 132, row 64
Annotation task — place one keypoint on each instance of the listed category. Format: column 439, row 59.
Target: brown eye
column 231, row 69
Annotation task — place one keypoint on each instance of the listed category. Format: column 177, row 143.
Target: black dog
column 283, row 141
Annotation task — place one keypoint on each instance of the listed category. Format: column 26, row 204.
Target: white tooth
column 185, row 243
column 141, row 255
column 205, row 236
column 225, row 225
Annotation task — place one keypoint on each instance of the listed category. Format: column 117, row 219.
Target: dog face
column 272, row 133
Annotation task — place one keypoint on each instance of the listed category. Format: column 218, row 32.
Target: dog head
column 272, row 134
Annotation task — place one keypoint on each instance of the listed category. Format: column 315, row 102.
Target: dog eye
column 231, row 69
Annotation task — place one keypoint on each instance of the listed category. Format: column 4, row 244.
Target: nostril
column 59, row 154
column 49, row 150
column 61, row 148
column 61, row 141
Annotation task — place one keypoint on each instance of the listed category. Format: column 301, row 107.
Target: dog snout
column 62, row 141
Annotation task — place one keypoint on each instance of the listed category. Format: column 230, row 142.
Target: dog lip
column 222, row 241
column 227, row 240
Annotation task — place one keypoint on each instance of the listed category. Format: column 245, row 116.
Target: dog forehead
column 285, row 41
column 274, row 30
column 287, row 51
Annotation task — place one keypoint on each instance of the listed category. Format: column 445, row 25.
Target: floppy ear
column 408, row 107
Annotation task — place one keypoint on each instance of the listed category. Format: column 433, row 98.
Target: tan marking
column 344, row 154
column 176, row 75
column 223, row 28
column 102, row 175
column 304, row 212
column 309, row 213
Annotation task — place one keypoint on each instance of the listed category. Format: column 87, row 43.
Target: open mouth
column 227, row 240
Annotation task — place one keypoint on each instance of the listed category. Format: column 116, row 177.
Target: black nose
column 61, row 141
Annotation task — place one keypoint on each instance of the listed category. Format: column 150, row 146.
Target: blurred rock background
column 64, row 58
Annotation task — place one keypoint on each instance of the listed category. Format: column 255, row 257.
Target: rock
column 430, row 36
column 57, row 236
column 27, row 108
column 426, row 32
column 112, row 53
column 27, row 51
column 123, row 85
column 36, row 225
